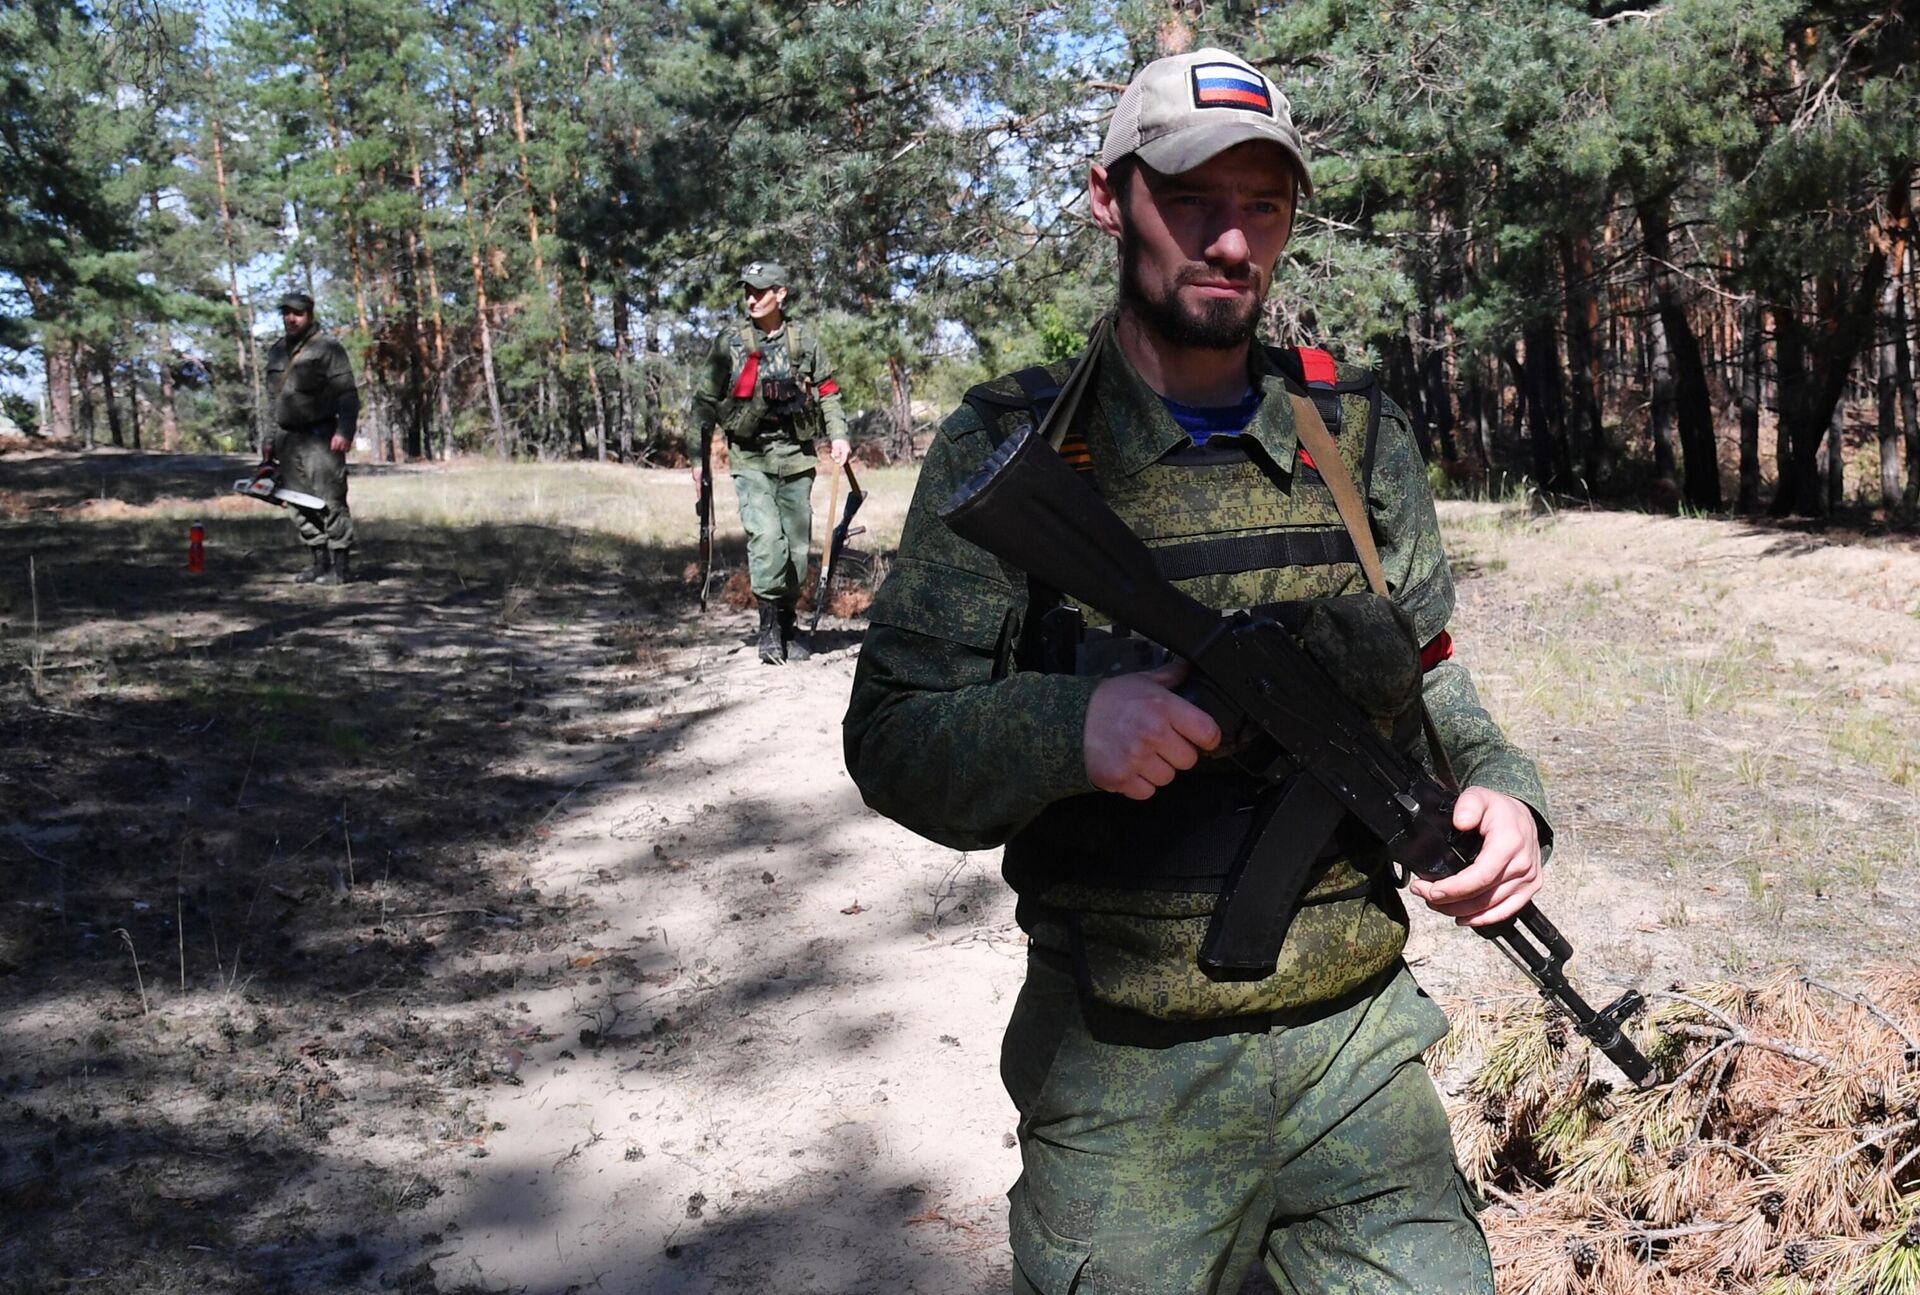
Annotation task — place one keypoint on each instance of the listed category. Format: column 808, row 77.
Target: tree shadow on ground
column 247, row 828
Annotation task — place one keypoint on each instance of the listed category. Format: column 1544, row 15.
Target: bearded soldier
column 315, row 407
column 769, row 386
column 1176, row 1129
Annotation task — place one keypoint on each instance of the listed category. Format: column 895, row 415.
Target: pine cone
column 1583, row 1254
column 1557, row 1025
column 1770, row 1206
column 1638, row 1146
column 1493, row 1109
column 1679, row 1155
column 1795, row 1255
column 1911, row 1239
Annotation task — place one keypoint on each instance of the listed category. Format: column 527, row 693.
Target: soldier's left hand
column 339, row 444
column 1505, row 876
column 840, row 452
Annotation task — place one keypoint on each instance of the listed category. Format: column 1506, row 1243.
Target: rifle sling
column 1353, row 512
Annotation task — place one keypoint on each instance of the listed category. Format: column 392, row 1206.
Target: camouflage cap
column 299, row 301
column 1182, row 110
column 764, row 274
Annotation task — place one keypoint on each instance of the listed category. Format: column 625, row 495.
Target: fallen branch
column 1741, row 1037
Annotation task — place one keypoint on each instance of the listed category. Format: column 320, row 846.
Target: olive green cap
column 764, row 274
column 299, row 301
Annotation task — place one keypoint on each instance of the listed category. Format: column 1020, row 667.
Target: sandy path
column 785, row 1095
column 780, row 1093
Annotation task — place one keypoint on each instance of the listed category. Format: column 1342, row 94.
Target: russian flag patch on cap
column 1229, row 85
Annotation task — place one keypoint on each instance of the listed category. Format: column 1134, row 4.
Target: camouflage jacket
column 756, row 438
column 947, row 736
column 310, row 383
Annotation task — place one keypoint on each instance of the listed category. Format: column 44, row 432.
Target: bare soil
column 498, row 923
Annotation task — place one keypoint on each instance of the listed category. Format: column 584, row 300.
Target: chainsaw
column 263, row 487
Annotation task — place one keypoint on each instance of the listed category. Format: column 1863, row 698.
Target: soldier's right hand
column 697, row 483
column 1140, row 734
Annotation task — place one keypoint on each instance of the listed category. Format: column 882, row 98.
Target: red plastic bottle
column 196, row 548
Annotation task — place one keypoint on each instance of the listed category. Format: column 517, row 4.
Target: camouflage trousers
column 777, row 514
column 308, row 463
column 1157, row 1167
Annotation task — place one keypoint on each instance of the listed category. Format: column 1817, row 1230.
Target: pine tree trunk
column 479, row 287
column 1693, row 402
column 441, row 379
column 1440, row 404
column 1666, row 485
column 1903, row 377
column 1886, row 399
column 1584, row 426
column 1754, row 356
column 1814, row 366
column 622, row 358
column 1835, row 468
column 59, row 366
column 902, row 449
column 83, row 383
column 105, row 362
column 56, row 359
column 1546, row 408
column 246, row 347
column 1896, row 361
column 1403, row 379
column 169, row 421
column 374, row 406
column 1790, row 377
column 133, row 399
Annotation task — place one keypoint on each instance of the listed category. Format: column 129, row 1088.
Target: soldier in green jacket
column 770, row 388
column 315, row 406
column 1175, row 1130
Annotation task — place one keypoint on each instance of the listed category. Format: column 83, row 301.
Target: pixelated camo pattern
column 795, row 352
column 1316, row 1149
column 945, row 737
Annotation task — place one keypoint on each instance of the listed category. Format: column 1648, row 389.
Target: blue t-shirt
column 1202, row 421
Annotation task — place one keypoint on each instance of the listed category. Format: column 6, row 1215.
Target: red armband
column 749, row 378
column 828, row 388
column 1434, row 653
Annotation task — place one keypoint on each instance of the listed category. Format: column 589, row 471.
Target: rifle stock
column 836, row 539
column 1028, row 508
column 703, row 509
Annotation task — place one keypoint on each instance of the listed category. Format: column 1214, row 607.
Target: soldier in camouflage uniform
column 1175, row 1130
column 315, row 407
column 770, row 387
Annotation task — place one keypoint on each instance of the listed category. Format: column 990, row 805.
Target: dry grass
column 1780, row 1152
column 649, row 506
column 1728, row 717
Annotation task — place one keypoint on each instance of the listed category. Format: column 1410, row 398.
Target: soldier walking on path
column 770, row 388
column 1176, row 1129
column 315, row 406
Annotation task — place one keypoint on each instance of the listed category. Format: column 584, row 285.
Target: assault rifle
column 1028, row 508
column 703, row 509
column 843, row 530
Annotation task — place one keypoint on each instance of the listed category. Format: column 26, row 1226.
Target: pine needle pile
column 1780, row 1156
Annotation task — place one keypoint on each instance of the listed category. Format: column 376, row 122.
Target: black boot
column 771, row 652
column 791, row 641
column 322, row 566
column 342, row 571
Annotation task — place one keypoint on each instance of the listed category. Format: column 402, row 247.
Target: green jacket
column 310, row 383
column 947, row 736
column 755, row 438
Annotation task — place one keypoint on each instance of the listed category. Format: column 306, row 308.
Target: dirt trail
column 644, row 999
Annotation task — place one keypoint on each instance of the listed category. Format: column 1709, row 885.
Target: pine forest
column 1658, row 253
